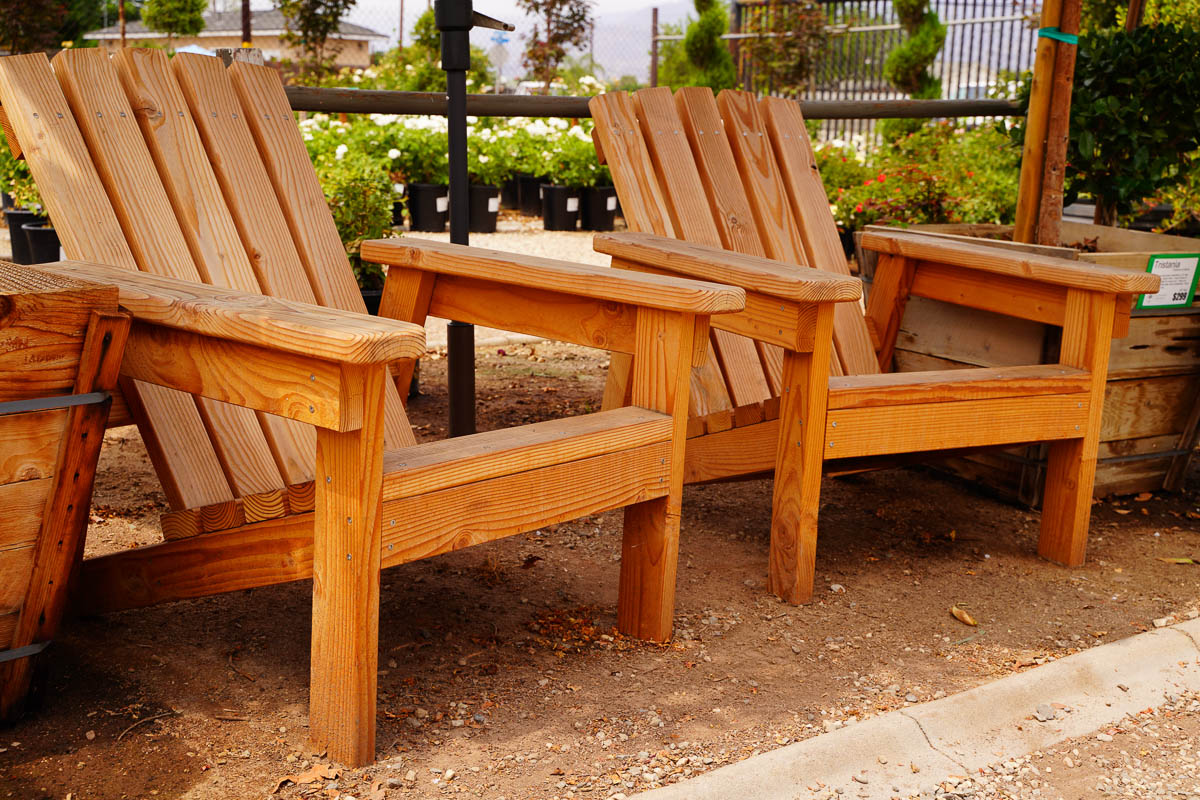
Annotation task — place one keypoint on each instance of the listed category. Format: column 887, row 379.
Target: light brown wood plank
column 905, row 388
column 289, row 327
column 29, row 444
column 1044, row 269
column 23, row 504
column 732, row 452
column 885, row 308
column 346, row 564
column 15, row 566
column 280, row 550
column 452, row 462
column 642, row 202
column 857, row 432
column 583, row 280
column 273, row 128
column 1002, row 294
column 1071, row 465
column 89, row 229
column 553, row 315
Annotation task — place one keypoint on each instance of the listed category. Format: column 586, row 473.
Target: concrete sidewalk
column 910, row 751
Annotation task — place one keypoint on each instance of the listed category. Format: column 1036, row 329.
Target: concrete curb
column 959, row 734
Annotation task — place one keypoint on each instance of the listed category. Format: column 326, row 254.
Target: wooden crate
column 1151, row 420
column 51, row 422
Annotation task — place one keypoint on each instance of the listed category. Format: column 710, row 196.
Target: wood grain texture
column 906, row 388
column 1002, row 294
column 29, row 444
column 583, row 280
column 281, row 550
column 406, row 296
column 88, row 228
column 141, row 151
column 875, row 430
column 628, row 158
column 726, row 452
column 273, row 127
column 289, row 327
column 260, row 378
column 1071, row 465
column 1029, row 266
column 560, row 316
column 796, row 495
column 650, row 543
column 753, row 273
column 433, row 466
column 346, row 564
column 59, row 546
column 889, row 297
column 451, row 519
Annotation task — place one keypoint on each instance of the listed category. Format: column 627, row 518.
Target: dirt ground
column 501, row 675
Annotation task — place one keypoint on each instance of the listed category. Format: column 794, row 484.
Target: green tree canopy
column 310, row 23
column 175, row 17
column 559, row 24
column 27, row 26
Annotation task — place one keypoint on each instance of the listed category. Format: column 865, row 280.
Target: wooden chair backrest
column 182, row 167
column 734, row 172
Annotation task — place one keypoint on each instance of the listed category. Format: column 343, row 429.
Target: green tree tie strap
column 1057, row 35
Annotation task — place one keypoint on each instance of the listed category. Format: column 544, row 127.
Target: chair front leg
column 347, row 538
column 1071, row 463
column 796, row 498
column 661, row 372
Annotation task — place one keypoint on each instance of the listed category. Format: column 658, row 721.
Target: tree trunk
column 1106, row 212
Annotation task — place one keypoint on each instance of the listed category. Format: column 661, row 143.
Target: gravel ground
column 1151, row 755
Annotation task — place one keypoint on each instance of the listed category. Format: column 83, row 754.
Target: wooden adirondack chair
column 737, row 173
column 279, row 439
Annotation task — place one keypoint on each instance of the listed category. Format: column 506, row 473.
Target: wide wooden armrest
column 581, row 280
column 279, row 325
column 753, row 273
column 1043, row 269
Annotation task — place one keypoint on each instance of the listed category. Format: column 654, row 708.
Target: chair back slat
column 136, row 132
column 314, row 235
column 818, row 230
column 688, row 193
column 90, row 229
column 632, row 166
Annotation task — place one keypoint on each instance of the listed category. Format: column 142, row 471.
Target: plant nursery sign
column 1178, row 274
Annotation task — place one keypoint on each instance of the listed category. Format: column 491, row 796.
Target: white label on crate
column 541, row 193
column 610, row 203
column 572, row 205
column 493, row 205
column 443, row 203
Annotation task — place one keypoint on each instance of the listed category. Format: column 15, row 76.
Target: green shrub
column 359, row 195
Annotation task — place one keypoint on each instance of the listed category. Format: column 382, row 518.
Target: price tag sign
column 1178, row 274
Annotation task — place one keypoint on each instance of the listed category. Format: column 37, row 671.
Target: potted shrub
column 26, row 211
column 359, row 195
column 598, row 202
column 573, row 165
column 421, row 164
column 488, row 171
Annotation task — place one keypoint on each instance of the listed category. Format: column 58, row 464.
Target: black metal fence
column 986, row 41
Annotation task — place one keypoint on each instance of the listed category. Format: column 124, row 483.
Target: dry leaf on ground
column 962, row 616
column 318, row 772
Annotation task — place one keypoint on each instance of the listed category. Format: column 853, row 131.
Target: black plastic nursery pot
column 15, row 218
column 529, row 191
column 397, row 213
column 6, row 200
column 597, row 208
column 43, row 242
column 560, row 207
column 510, row 193
column 485, row 207
column 428, row 206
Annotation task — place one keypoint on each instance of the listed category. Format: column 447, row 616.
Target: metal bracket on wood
column 51, row 403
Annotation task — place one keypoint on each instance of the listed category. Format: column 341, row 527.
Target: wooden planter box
column 1152, row 406
column 60, row 346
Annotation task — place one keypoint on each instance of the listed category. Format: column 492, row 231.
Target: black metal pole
column 460, row 336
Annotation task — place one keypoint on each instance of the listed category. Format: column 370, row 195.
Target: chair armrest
column 579, row 280
column 1042, row 269
column 753, row 273
column 292, row 360
column 297, row 328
